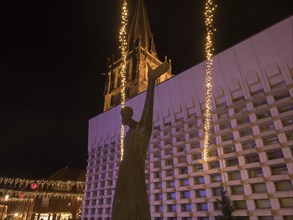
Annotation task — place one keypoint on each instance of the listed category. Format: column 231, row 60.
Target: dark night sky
column 52, row 54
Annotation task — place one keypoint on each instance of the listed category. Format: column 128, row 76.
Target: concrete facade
column 251, row 152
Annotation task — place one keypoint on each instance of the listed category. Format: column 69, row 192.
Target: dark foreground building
column 57, row 198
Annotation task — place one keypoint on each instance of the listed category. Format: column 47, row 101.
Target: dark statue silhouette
column 131, row 199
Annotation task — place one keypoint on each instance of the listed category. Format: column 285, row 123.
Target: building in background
column 57, row 198
column 141, row 50
column 251, row 151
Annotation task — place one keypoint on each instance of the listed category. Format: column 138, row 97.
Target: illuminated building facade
column 251, row 151
column 141, row 51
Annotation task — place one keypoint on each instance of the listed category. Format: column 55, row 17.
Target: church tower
column 141, row 50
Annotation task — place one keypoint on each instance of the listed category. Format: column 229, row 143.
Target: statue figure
column 130, row 199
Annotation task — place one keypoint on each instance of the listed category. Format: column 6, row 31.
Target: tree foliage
column 226, row 206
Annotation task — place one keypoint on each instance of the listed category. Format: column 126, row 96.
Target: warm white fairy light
column 40, row 183
column 209, row 10
column 29, row 194
column 123, row 49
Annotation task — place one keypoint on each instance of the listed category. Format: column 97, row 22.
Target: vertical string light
column 209, row 10
column 123, row 49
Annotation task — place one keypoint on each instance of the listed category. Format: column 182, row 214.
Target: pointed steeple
column 141, row 53
column 140, row 30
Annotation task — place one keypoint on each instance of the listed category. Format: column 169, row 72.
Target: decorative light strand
column 209, row 10
column 41, row 183
column 123, row 48
column 42, row 194
column 2, row 200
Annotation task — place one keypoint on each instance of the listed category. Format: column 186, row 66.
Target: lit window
column 201, row 193
column 197, row 156
column 45, row 202
column 158, row 196
column 243, row 120
column 259, row 187
column 184, row 182
column 263, row 204
column 159, row 208
column 267, row 127
column 197, row 167
column 227, row 137
column 185, row 194
column 202, row 206
column 213, row 153
column 216, row 178
column 232, row 162
column 286, row 202
column 248, row 145
column 158, row 185
column 263, row 114
column 279, row 169
column 225, row 125
column 275, row 154
column 199, row 180
column 245, row 132
column 237, row 190
column 183, row 170
column 217, row 191
column 229, row 149
column 214, row 164
column 170, row 173
column 234, row 175
column 170, row 184
column 283, row 185
column 252, row 158
column 256, row 172
column 171, row 195
column 172, row 208
column 186, row 207
column 270, row 140
column 240, row 204
column 157, row 175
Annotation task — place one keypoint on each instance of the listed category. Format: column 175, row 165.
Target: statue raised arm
column 130, row 199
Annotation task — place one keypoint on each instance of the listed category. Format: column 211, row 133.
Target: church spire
column 140, row 30
column 141, row 54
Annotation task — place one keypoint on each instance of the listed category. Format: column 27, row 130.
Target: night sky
column 53, row 54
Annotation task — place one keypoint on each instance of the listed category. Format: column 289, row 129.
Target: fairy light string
column 209, row 18
column 123, row 48
column 32, row 194
column 40, row 183
column 27, row 189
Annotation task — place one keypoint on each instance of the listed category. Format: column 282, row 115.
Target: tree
column 226, row 206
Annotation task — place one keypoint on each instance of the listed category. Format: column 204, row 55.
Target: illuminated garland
column 42, row 194
column 40, row 183
column 3, row 200
column 123, row 48
column 209, row 10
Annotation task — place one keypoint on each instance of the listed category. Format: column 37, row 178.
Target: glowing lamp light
column 34, row 185
column 6, row 197
column 15, row 214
